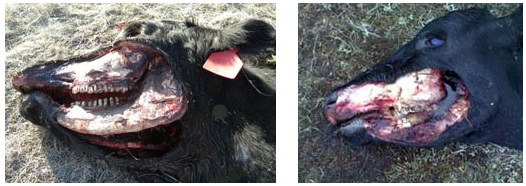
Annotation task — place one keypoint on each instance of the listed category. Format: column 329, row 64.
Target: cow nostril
column 133, row 30
column 331, row 100
column 133, row 33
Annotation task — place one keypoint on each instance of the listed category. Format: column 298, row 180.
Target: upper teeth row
column 103, row 102
column 405, row 110
column 104, row 88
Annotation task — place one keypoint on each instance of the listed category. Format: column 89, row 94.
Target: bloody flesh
column 415, row 109
column 110, row 98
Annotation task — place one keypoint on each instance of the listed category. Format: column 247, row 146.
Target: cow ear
column 250, row 35
column 258, row 33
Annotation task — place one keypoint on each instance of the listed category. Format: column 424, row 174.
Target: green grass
column 42, row 32
column 338, row 41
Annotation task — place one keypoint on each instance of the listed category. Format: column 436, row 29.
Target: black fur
column 237, row 148
column 486, row 53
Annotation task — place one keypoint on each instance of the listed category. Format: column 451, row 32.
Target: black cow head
column 146, row 101
column 459, row 79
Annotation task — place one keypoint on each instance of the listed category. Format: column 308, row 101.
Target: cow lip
column 414, row 126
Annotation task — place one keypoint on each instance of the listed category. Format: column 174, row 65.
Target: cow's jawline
column 410, row 124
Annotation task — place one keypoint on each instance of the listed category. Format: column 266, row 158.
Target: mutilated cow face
column 129, row 90
column 148, row 99
column 460, row 78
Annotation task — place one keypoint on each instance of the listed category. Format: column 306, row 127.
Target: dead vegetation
column 338, row 41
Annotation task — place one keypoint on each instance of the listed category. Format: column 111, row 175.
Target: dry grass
column 38, row 32
column 338, row 41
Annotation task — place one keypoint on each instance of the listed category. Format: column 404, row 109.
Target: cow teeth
column 102, row 102
column 98, row 88
column 104, row 88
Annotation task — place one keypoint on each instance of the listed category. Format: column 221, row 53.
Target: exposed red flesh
column 160, row 100
column 415, row 109
column 125, row 91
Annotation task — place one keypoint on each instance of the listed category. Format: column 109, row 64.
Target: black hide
column 486, row 54
column 228, row 131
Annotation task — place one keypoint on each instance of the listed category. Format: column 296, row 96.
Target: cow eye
column 434, row 42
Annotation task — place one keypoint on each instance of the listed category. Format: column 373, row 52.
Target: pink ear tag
column 224, row 63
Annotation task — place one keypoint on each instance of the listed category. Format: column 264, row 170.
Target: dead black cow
column 146, row 102
column 459, row 79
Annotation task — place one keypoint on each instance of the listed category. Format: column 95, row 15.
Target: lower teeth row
column 103, row 102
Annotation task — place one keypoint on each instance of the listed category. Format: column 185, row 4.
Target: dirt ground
column 338, row 41
column 38, row 32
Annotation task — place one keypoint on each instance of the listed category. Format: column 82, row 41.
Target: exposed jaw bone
column 161, row 101
column 123, row 89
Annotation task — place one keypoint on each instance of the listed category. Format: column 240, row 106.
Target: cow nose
column 331, row 101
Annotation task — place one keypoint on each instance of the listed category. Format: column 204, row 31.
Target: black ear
column 251, row 36
column 257, row 34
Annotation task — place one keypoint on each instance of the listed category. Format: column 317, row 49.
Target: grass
column 42, row 32
column 338, row 41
